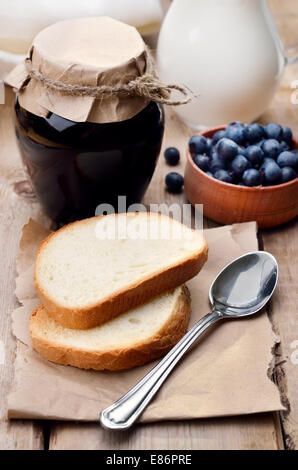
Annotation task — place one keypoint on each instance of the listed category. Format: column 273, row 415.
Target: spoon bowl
column 244, row 286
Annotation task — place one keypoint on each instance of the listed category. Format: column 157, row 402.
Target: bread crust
column 124, row 299
column 118, row 358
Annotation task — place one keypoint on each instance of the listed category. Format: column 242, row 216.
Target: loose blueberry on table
column 247, row 155
column 174, row 182
column 172, row 156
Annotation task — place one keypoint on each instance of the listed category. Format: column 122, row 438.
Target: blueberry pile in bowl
column 247, row 155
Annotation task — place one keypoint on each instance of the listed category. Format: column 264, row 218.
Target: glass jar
column 88, row 117
column 75, row 166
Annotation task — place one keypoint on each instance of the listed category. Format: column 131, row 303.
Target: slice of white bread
column 84, row 276
column 132, row 339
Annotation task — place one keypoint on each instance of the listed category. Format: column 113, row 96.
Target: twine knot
column 147, row 86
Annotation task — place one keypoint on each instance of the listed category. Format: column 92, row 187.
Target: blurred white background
column 21, row 20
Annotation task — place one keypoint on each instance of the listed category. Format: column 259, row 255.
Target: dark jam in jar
column 75, row 166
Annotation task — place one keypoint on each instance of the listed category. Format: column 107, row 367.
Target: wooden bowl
column 228, row 203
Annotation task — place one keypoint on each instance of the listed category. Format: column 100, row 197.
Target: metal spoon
column 242, row 288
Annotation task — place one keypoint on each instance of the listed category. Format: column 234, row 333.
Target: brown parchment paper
column 225, row 373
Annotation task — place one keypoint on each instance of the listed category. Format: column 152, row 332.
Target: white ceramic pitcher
column 228, row 52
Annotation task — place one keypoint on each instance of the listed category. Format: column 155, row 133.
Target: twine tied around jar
column 147, row 85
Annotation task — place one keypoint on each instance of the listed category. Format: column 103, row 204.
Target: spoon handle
column 125, row 411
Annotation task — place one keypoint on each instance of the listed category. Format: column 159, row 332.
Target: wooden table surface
column 263, row 431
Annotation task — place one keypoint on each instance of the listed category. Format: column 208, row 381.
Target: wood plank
column 237, row 433
column 282, row 243
column 14, row 212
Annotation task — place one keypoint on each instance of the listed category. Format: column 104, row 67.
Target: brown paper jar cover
column 85, row 51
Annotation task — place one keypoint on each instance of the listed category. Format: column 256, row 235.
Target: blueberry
column 223, row 175
column 227, row 149
column 235, row 133
column 172, row 156
column 283, row 146
column 287, row 159
column 209, row 173
column 217, row 136
column 235, row 178
column 254, row 154
column 271, row 148
column 253, row 133
column 287, row 174
column 236, row 124
column 252, row 177
column 174, row 182
column 241, row 150
column 216, row 163
column 260, row 143
column 202, row 161
column 208, row 146
column 273, row 131
column 287, row 135
column 271, row 171
column 239, row 165
column 266, row 161
column 197, row 144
